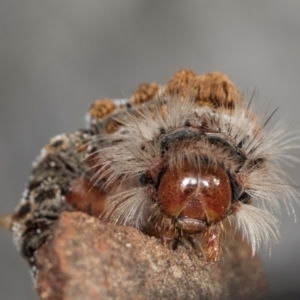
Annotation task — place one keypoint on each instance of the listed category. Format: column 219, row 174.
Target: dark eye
column 203, row 194
column 245, row 198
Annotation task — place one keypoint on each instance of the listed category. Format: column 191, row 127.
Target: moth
column 180, row 161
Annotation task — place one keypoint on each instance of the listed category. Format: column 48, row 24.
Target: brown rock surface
column 87, row 259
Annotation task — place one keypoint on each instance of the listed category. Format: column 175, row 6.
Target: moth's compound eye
column 203, row 194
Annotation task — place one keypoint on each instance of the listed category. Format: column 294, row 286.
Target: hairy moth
column 180, row 162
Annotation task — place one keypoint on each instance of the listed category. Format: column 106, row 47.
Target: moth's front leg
column 211, row 244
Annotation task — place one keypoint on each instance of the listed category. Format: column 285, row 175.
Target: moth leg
column 211, row 244
column 195, row 241
column 169, row 239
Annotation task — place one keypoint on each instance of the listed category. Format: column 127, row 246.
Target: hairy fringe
column 257, row 226
column 128, row 208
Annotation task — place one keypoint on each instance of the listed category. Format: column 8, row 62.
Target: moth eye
column 203, row 194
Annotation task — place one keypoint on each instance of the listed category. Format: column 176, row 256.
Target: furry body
column 128, row 168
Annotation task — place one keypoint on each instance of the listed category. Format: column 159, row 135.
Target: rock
column 85, row 258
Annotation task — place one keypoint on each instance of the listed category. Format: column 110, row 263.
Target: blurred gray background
column 58, row 56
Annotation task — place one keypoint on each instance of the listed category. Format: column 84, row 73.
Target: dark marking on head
column 175, row 136
column 162, row 130
column 245, row 198
column 43, row 195
column 24, row 210
column 58, row 143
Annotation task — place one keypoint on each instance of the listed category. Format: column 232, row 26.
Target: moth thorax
column 202, row 193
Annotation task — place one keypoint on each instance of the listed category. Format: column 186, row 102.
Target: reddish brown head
column 203, row 194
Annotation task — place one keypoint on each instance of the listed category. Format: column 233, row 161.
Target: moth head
column 204, row 194
column 192, row 185
column 196, row 168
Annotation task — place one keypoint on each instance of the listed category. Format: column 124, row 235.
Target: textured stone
column 85, row 258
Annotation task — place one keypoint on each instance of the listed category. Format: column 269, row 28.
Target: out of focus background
column 58, row 56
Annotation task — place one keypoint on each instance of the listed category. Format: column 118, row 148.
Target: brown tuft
column 212, row 89
column 102, row 108
column 144, row 93
column 112, row 126
column 180, row 80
